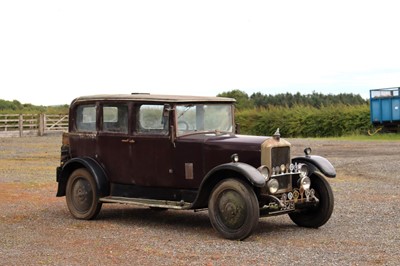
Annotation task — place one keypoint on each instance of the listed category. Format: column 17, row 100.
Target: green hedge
column 306, row 121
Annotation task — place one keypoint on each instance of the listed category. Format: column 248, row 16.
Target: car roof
column 146, row 97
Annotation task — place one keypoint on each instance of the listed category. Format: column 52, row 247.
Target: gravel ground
column 37, row 229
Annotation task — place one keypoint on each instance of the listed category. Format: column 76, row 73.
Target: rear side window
column 86, row 118
column 115, row 118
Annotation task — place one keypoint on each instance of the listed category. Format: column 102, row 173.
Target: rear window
column 115, row 118
column 86, row 118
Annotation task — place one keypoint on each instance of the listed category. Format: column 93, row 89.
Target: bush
column 15, row 107
column 305, row 121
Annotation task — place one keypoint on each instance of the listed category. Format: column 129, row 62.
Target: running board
column 177, row 205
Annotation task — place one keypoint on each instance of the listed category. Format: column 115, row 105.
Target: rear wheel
column 82, row 197
column 233, row 209
column 318, row 215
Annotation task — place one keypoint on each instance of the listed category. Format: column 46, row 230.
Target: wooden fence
column 18, row 125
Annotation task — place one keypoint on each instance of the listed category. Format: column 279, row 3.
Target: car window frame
column 76, row 128
column 115, row 104
column 156, row 132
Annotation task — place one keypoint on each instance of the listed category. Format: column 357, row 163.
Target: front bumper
column 288, row 202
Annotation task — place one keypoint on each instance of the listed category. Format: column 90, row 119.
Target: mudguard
column 224, row 171
column 321, row 163
column 102, row 184
column 248, row 171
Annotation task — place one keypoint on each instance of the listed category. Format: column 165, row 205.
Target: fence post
column 42, row 124
column 20, row 125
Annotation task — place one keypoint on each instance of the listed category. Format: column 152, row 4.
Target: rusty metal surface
column 153, row 98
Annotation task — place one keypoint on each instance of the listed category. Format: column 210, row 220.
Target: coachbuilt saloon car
column 182, row 152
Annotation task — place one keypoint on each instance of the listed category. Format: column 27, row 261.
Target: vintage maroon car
column 183, row 152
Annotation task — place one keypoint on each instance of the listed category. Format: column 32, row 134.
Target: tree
column 242, row 98
column 317, row 100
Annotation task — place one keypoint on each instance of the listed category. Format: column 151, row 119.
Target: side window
column 152, row 120
column 115, row 118
column 86, row 118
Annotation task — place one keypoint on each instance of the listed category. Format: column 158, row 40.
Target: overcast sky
column 53, row 51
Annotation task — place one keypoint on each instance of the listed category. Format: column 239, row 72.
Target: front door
column 151, row 161
column 152, row 149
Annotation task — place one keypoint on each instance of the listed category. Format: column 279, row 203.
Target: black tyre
column 316, row 216
column 233, row 209
column 82, row 196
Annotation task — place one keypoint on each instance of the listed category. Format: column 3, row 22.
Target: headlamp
column 303, row 169
column 305, row 182
column 273, row 186
column 264, row 171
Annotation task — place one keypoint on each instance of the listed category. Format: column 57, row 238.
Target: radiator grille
column 280, row 155
column 285, row 183
column 274, row 154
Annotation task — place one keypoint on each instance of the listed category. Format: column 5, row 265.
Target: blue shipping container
column 385, row 106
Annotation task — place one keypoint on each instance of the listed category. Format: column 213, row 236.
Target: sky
column 54, row 51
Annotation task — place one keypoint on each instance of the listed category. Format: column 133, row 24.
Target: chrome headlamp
column 305, row 182
column 303, row 169
column 273, row 185
column 264, row 171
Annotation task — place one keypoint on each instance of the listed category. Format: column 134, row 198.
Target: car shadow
column 188, row 221
column 155, row 217
column 196, row 223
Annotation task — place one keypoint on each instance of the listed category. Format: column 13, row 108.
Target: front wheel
column 318, row 215
column 233, row 209
column 82, row 196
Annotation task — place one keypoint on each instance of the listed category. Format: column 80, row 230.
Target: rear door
column 114, row 145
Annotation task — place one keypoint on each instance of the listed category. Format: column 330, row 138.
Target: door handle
column 128, row 140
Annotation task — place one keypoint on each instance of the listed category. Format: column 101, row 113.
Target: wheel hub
column 232, row 209
column 81, row 193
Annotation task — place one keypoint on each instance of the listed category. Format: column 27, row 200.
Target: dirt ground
column 37, row 229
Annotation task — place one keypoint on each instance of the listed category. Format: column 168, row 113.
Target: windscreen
column 193, row 118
